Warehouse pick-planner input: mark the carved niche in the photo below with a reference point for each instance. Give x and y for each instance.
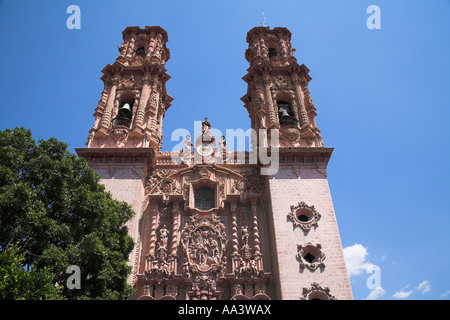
(159, 265)
(248, 263)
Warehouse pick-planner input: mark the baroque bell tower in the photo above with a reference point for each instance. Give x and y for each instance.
(127, 131)
(278, 96)
(134, 99)
(308, 255)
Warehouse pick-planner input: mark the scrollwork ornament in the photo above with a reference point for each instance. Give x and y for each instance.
(310, 256)
(304, 216)
(317, 292)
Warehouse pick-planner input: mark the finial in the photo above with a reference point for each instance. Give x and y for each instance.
(264, 24)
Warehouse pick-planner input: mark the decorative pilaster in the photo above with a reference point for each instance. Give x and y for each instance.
(107, 113)
(154, 106)
(234, 230)
(269, 100)
(234, 238)
(175, 229)
(256, 241)
(153, 227)
(145, 94)
(300, 98)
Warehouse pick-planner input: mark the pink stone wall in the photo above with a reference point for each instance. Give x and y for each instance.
(289, 187)
(125, 184)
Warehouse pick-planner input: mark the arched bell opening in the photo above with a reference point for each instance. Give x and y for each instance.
(125, 110)
(140, 52)
(286, 114)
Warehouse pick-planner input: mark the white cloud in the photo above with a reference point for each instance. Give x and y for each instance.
(402, 294)
(376, 293)
(424, 286)
(445, 294)
(355, 259)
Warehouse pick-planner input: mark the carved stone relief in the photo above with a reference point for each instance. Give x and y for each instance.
(160, 267)
(310, 256)
(304, 216)
(317, 292)
(204, 242)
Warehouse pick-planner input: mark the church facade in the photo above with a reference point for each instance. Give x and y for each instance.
(212, 223)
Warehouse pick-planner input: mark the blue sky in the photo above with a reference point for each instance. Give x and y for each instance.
(382, 98)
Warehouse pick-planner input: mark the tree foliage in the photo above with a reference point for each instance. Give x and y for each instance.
(19, 283)
(57, 214)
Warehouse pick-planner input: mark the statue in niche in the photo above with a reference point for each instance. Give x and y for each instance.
(244, 230)
(164, 236)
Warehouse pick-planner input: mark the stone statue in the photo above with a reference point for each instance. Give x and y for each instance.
(244, 230)
(222, 143)
(206, 125)
(188, 144)
(164, 234)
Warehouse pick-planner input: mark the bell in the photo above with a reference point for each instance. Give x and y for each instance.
(283, 109)
(126, 106)
(125, 110)
(284, 114)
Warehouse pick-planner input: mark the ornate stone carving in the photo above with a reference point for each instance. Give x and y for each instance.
(290, 137)
(317, 292)
(160, 182)
(310, 256)
(281, 82)
(259, 99)
(252, 183)
(160, 267)
(248, 266)
(238, 186)
(221, 187)
(204, 243)
(304, 216)
(204, 173)
(164, 236)
(119, 135)
(247, 258)
(128, 83)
